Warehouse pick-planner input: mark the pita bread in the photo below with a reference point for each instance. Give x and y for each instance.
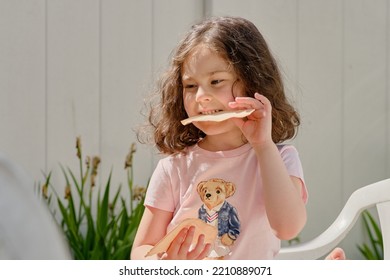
(219, 116)
(209, 231)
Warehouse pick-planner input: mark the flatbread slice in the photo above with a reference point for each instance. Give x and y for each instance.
(219, 116)
(209, 231)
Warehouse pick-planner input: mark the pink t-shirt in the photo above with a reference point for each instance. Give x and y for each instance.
(224, 189)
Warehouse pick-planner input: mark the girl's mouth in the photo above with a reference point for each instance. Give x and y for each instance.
(210, 112)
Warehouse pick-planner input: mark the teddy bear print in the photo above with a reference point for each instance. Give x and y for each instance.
(216, 211)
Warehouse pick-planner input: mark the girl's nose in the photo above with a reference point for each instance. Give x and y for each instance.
(202, 95)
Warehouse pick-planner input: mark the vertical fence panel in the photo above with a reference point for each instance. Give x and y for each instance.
(320, 80)
(364, 156)
(22, 83)
(73, 80)
(171, 19)
(126, 48)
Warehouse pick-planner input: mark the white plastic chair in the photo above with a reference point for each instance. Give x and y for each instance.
(376, 194)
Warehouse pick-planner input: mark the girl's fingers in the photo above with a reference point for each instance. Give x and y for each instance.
(205, 252)
(186, 244)
(197, 252)
(261, 98)
(177, 242)
(258, 102)
(180, 246)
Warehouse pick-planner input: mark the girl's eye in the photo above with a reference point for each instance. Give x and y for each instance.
(216, 82)
(189, 86)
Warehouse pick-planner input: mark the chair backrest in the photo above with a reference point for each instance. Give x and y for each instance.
(376, 194)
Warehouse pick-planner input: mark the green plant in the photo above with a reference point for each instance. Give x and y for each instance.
(373, 250)
(96, 229)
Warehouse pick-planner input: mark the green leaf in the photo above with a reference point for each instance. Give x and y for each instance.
(102, 214)
(375, 227)
(124, 221)
(76, 184)
(373, 250)
(69, 223)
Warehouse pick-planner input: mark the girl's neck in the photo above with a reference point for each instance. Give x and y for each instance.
(215, 143)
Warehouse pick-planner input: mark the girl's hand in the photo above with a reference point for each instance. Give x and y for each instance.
(257, 127)
(180, 247)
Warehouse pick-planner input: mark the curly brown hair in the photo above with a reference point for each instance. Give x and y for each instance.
(239, 42)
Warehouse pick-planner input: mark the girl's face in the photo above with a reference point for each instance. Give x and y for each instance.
(209, 84)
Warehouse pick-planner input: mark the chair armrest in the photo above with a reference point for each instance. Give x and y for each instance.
(360, 200)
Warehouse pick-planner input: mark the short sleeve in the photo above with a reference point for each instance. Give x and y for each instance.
(159, 193)
(293, 165)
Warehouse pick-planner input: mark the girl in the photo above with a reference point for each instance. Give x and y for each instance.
(234, 174)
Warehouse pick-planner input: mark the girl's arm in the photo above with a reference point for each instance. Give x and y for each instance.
(285, 208)
(282, 193)
(153, 228)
